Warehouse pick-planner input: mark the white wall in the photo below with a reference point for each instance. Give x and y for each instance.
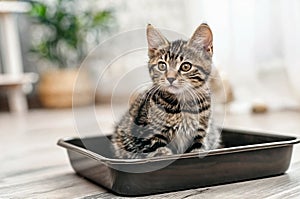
(256, 42)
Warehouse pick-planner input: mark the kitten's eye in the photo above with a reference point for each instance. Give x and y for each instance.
(162, 66)
(186, 66)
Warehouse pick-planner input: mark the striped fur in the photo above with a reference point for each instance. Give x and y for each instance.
(174, 115)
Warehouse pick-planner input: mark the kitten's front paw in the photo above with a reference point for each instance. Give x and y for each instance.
(201, 153)
(198, 150)
(162, 151)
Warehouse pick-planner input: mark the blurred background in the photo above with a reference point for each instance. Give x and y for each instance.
(43, 49)
(43, 43)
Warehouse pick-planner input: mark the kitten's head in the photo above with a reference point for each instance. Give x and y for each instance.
(179, 65)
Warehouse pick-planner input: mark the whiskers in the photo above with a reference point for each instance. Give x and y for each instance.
(151, 91)
(198, 96)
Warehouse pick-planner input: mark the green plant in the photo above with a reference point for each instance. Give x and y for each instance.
(63, 30)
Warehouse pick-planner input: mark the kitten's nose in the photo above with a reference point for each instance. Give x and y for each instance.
(171, 79)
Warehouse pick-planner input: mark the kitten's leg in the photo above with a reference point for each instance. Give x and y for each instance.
(159, 145)
(161, 151)
(210, 141)
(198, 145)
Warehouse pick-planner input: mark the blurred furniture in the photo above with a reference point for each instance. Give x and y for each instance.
(13, 79)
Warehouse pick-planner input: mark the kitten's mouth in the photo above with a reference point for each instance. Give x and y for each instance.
(173, 89)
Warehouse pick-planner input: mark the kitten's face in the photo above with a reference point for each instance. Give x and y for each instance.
(180, 65)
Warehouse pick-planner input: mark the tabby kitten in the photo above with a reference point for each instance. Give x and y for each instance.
(174, 115)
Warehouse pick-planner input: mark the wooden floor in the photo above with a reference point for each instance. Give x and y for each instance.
(33, 166)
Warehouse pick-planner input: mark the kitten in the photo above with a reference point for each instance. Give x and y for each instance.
(174, 115)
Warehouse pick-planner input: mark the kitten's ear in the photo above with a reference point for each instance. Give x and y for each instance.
(155, 38)
(202, 38)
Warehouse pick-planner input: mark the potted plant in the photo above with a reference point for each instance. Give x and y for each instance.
(62, 33)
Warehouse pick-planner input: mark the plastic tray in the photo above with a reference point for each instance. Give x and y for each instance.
(246, 155)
